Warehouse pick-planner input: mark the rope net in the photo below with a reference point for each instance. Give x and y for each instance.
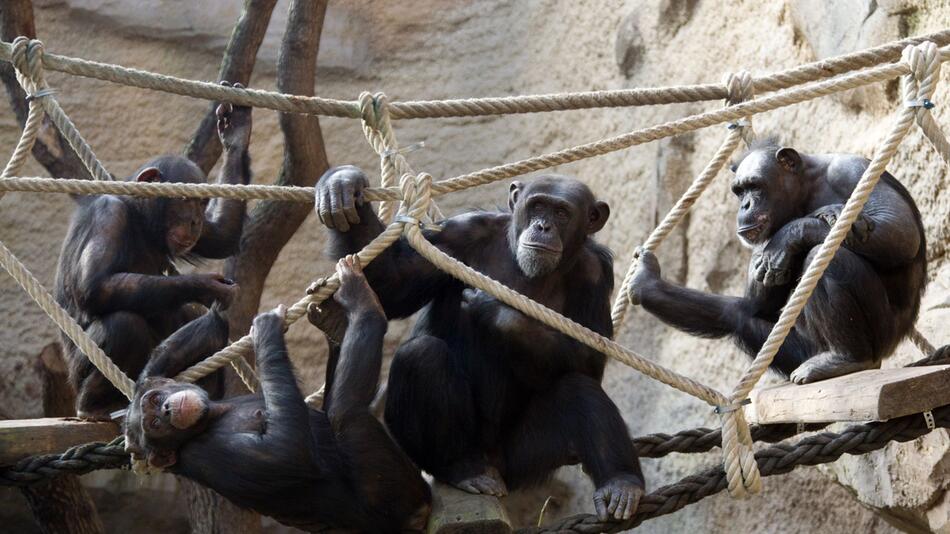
(407, 196)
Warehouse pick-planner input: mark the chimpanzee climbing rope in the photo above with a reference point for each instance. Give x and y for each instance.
(919, 67)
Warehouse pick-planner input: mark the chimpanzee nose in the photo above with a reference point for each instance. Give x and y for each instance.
(542, 226)
(746, 204)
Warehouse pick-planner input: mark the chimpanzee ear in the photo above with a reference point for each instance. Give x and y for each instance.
(599, 213)
(160, 459)
(513, 191)
(789, 159)
(149, 174)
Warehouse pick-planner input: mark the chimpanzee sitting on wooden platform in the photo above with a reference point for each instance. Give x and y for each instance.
(310, 469)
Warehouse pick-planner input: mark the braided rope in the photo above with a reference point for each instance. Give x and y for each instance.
(775, 460)
(475, 106)
(65, 322)
(76, 460)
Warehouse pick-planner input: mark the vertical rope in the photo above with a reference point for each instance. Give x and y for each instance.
(741, 89)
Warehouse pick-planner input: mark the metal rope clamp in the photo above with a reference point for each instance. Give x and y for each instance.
(925, 103)
(734, 407)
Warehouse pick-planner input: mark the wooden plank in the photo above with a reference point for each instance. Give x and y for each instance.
(20, 438)
(457, 512)
(874, 395)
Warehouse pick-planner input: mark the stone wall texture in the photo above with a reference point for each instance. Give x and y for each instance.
(430, 49)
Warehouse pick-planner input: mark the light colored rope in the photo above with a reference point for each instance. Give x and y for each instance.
(475, 106)
(25, 144)
(741, 89)
(27, 57)
(923, 62)
(65, 322)
(671, 220)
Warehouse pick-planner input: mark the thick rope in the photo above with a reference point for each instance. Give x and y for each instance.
(65, 322)
(475, 106)
(77, 460)
(775, 460)
(27, 57)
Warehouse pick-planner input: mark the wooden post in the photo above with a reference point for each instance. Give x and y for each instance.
(457, 512)
(60, 504)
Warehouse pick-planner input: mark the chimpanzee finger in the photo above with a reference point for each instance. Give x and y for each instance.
(324, 211)
(621, 505)
(349, 206)
(614, 502)
(336, 208)
(600, 507)
(632, 501)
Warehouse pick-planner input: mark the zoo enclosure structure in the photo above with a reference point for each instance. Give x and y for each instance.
(407, 206)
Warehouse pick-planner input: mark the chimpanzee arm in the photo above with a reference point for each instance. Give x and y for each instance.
(224, 218)
(692, 311)
(404, 281)
(191, 343)
(103, 286)
(287, 413)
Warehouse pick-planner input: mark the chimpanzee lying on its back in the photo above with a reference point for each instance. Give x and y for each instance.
(270, 452)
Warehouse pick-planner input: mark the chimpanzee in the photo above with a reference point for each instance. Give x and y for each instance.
(482, 396)
(269, 452)
(865, 303)
(117, 276)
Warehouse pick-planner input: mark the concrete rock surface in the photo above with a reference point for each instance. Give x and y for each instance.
(435, 49)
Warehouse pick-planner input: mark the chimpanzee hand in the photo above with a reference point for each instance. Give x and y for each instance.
(618, 498)
(490, 312)
(647, 273)
(275, 319)
(338, 194)
(860, 230)
(217, 289)
(772, 265)
(234, 124)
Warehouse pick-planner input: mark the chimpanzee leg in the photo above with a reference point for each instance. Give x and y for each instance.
(127, 339)
(391, 492)
(574, 420)
(849, 318)
(431, 412)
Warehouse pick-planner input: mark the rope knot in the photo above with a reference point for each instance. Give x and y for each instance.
(27, 57)
(924, 62)
(739, 86)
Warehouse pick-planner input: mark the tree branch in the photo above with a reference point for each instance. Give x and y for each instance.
(51, 150)
(272, 224)
(237, 65)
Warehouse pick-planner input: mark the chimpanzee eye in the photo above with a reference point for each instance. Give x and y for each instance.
(156, 423)
(561, 213)
(737, 191)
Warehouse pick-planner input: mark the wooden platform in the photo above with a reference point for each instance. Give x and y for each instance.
(875, 395)
(456, 512)
(20, 438)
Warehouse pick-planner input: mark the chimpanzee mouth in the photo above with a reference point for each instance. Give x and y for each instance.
(541, 247)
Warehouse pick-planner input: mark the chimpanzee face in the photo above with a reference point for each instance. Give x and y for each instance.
(163, 415)
(184, 220)
(767, 186)
(552, 218)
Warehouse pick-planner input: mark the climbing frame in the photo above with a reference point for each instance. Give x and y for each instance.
(407, 195)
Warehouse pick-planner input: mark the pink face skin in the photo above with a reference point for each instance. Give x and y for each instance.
(185, 220)
(164, 412)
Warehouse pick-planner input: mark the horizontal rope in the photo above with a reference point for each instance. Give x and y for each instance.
(473, 106)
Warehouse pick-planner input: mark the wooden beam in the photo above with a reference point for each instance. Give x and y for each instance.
(874, 395)
(20, 438)
(456, 512)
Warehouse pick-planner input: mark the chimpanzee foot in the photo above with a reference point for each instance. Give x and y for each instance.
(618, 498)
(828, 365)
(419, 519)
(354, 293)
(487, 483)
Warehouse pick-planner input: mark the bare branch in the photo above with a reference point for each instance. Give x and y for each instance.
(272, 224)
(51, 150)
(237, 65)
